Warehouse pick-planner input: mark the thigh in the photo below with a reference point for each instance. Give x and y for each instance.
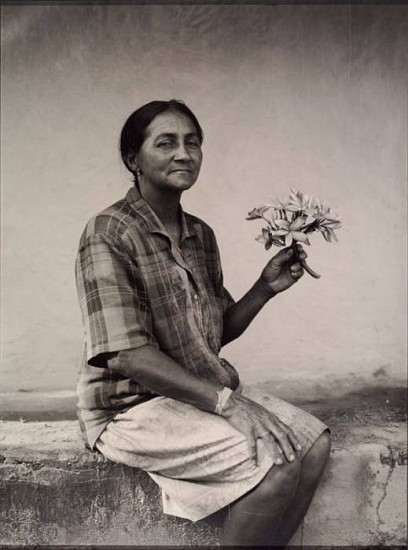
(177, 440)
(306, 427)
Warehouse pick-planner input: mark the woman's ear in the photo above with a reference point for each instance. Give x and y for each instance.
(131, 160)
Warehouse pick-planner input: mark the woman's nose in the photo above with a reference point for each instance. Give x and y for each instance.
(181, 153)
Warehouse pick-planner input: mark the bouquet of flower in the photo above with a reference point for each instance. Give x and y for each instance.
(293, 220)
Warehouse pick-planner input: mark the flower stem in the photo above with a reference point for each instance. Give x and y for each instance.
(303, 262)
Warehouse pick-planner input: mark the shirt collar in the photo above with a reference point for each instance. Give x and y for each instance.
(153, 222)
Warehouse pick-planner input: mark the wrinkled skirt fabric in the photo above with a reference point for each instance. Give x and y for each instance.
(199, 460)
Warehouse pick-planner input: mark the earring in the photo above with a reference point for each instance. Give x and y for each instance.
(138, 172)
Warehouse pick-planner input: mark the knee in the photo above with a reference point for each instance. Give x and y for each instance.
(281, 479)
(322, 446)
(288, 473)
(317, 457)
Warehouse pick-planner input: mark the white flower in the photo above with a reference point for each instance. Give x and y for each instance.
(300, 202)
(292, 231)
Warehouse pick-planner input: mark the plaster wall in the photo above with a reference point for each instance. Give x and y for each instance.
(313, 97)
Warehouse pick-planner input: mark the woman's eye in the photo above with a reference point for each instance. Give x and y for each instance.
(165, 144)
(193, 143)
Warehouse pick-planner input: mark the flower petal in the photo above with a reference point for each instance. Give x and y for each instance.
(291, 207)
(309, 212)
(278, 241)
(260, 239)
(288, 239)
(283, 224)
(299, 236)
(297, 224)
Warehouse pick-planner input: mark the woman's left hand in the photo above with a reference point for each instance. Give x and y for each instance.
(284, 269)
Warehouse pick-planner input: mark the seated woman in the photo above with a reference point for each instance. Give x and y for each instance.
(153, 391)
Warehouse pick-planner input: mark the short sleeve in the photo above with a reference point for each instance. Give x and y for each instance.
(112, 297)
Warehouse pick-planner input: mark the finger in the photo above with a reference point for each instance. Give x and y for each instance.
(251, 441)
(295, 267)
(112, 360)
(293, 439)
(272, 448)
(282, 256)
(283, 441)
(301, 253)
(296, 272)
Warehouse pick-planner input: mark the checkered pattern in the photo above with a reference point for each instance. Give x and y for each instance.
(136, 287)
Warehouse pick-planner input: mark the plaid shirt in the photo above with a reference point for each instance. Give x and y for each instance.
(136, 287)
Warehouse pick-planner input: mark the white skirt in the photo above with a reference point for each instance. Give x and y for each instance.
(199, 460)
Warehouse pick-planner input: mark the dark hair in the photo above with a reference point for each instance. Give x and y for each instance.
(133, 131)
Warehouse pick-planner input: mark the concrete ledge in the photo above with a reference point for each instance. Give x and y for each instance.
(53, 491)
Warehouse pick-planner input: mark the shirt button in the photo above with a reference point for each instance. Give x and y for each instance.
(195, 297)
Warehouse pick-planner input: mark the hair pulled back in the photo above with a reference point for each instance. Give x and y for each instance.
(133, 131)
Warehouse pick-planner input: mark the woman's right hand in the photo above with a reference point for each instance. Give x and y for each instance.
(256, 422)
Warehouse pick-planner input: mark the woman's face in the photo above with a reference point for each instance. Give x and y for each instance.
(170, 156)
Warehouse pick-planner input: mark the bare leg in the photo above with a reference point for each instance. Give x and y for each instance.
(311, 470)
(254, 518)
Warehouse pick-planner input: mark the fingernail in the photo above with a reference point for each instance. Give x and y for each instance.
(299, 447)
(279, 461)
(292, 458)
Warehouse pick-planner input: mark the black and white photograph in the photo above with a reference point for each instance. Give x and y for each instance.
(203, 274)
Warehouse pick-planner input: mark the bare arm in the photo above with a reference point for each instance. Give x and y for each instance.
(281, 272)
(159, 373)
(239, 316)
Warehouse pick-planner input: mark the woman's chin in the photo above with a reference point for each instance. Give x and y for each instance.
(181, 183)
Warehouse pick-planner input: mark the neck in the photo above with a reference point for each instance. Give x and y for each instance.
(166, 205)
(167, 213)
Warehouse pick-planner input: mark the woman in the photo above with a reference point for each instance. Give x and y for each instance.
(153, 391)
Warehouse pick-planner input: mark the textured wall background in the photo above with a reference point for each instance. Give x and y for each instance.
(313, 97)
